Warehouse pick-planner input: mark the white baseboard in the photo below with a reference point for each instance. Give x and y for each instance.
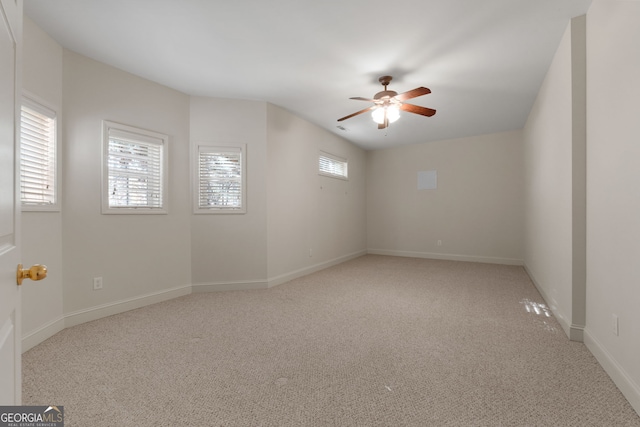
(94, 313)
(447, 257)
(273, 281)
(278, 280)
(229, 286)
(109, 309)
(42, 333)
(576, 333)
(78, 317)
(622, 380)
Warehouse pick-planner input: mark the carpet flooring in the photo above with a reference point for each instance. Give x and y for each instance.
(376, 341)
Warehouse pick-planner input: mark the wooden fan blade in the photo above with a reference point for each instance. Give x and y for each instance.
(359, 98)
(417, 109)
(419, 91)
(359, 112)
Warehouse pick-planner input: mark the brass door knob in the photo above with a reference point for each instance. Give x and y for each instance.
(36, 272)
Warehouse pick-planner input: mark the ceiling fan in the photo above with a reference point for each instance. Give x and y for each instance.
(387, 104)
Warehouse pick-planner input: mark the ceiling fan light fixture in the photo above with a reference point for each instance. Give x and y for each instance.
(378, 115)
(392, 113)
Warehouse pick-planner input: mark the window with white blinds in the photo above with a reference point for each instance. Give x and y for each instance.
(134, 170)
(333, 166)
(38, 183)
(220, 181)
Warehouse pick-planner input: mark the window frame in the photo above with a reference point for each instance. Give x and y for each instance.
(38, 105)
(222, 148)
(335, 159)
(141, 136)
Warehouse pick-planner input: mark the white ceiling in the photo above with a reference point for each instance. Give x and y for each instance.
(484, 60)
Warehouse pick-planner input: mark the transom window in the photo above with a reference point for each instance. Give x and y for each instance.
(333, 166)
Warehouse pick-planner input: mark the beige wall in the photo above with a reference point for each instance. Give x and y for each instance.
(141, 258)
(613, 201)
(581, 178)
(554, 150)
(476, 210)
(137, 255)
(313, 221)
(230, 250)
(42, 311)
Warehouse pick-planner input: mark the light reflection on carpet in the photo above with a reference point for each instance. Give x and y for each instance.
(540, 309)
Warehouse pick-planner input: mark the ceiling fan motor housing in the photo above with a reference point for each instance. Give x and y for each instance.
(385, 94)
(385, 80)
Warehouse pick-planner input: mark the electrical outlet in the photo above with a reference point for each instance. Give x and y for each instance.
(439, 242)
(97, 283)
(310, 252)
(615, 325)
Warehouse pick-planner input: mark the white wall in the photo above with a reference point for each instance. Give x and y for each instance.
(142, 258)
(554, 149)
(313, 221)
(229, 251)
(476, 210)
(613, 198)
(42, 310)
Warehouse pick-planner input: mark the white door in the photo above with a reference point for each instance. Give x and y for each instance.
(10, 348)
